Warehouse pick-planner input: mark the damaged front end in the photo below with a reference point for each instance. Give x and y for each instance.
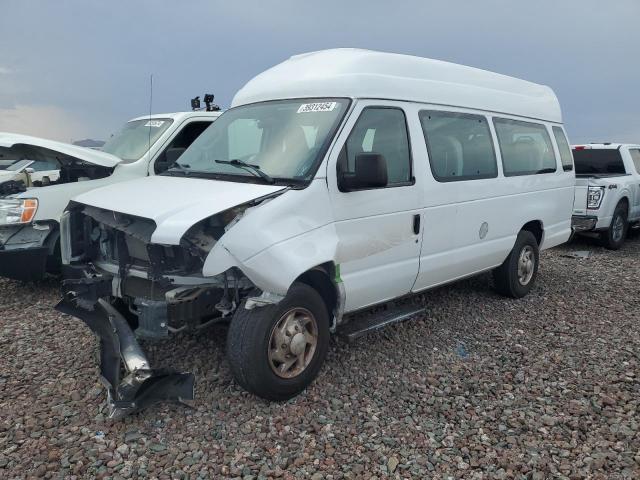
(125, 288)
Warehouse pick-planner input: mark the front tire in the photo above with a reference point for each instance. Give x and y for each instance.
(517, 274)
(615, 235)
(276, 351)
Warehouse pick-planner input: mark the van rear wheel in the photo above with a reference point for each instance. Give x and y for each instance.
(276, 351)
(517, 274)
(615, 235)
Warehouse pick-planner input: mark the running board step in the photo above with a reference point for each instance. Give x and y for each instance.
(375, 321)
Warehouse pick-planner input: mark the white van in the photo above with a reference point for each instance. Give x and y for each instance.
(340, 181)
(29, 233)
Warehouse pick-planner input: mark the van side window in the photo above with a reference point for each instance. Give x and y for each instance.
(380, 130)
(563, 147)
(460, 146)
(635, 156)
(525, 147)
(181, 141)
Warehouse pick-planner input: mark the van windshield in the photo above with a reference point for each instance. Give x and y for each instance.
(275, 140)
(134, 139)
(598, 161)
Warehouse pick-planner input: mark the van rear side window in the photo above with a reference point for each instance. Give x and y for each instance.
(459, 145)
(525, 147)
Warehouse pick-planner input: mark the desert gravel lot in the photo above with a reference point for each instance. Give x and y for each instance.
(481, 387)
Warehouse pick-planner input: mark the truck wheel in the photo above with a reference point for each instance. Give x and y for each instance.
(614, 236)
(276, 351)
(517, 274)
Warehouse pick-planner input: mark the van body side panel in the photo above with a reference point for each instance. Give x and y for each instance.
(471, 225)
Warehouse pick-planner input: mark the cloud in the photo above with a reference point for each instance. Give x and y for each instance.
(45, 121)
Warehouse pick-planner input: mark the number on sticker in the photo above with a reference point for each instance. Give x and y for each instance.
(317, 107)
(154, 123)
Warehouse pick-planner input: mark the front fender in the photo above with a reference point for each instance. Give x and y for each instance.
(276, 268)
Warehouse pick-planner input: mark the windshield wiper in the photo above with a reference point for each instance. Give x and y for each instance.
(248, 166)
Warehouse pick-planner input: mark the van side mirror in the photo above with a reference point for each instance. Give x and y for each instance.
(370, 171)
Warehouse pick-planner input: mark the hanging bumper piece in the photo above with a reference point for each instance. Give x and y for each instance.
(141, 385)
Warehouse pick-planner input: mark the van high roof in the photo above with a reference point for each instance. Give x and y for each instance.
(356, 73)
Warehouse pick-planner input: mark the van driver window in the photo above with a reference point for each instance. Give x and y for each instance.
(460, 146)
(525, 147)
(384, 131)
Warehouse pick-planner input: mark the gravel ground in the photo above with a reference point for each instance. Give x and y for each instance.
(480, 387)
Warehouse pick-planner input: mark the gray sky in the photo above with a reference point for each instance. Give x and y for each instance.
(77, 69)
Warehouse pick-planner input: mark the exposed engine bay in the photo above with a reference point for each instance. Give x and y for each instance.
(124, 287)
(112, 255)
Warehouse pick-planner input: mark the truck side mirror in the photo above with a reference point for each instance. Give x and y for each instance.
(171, 156)
(29, 170)
(370, 171)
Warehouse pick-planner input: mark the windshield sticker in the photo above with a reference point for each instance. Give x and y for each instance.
(317, 107)
(154, 123)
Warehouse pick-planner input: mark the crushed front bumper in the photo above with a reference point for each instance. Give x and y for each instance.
(26, 264)
(141, 385)
(583, 223)
(25, 251)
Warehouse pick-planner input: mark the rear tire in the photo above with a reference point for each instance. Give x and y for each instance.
(262, 343)
(613, 238)
(517, 274)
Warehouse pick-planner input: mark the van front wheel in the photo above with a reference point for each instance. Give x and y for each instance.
(276, 351)
(517, 274)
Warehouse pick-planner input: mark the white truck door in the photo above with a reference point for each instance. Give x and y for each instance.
(378, 229)
(635, 157)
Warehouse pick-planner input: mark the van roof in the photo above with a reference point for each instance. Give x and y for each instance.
(356, 73)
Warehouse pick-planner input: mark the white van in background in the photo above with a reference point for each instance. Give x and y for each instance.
(29, 233)
(341, 181)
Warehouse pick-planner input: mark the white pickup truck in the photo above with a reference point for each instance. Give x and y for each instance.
(29, 220)
(607, 194)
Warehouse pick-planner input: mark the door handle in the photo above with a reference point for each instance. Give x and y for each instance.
(416, 223)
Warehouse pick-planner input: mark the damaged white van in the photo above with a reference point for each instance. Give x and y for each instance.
(35, 191)
(340, 182)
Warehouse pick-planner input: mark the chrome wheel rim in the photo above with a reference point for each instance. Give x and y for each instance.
(617, 228)
(293, 342)
(526, 264)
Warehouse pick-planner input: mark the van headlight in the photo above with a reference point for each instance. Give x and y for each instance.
(17, 211)
(594, 197)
